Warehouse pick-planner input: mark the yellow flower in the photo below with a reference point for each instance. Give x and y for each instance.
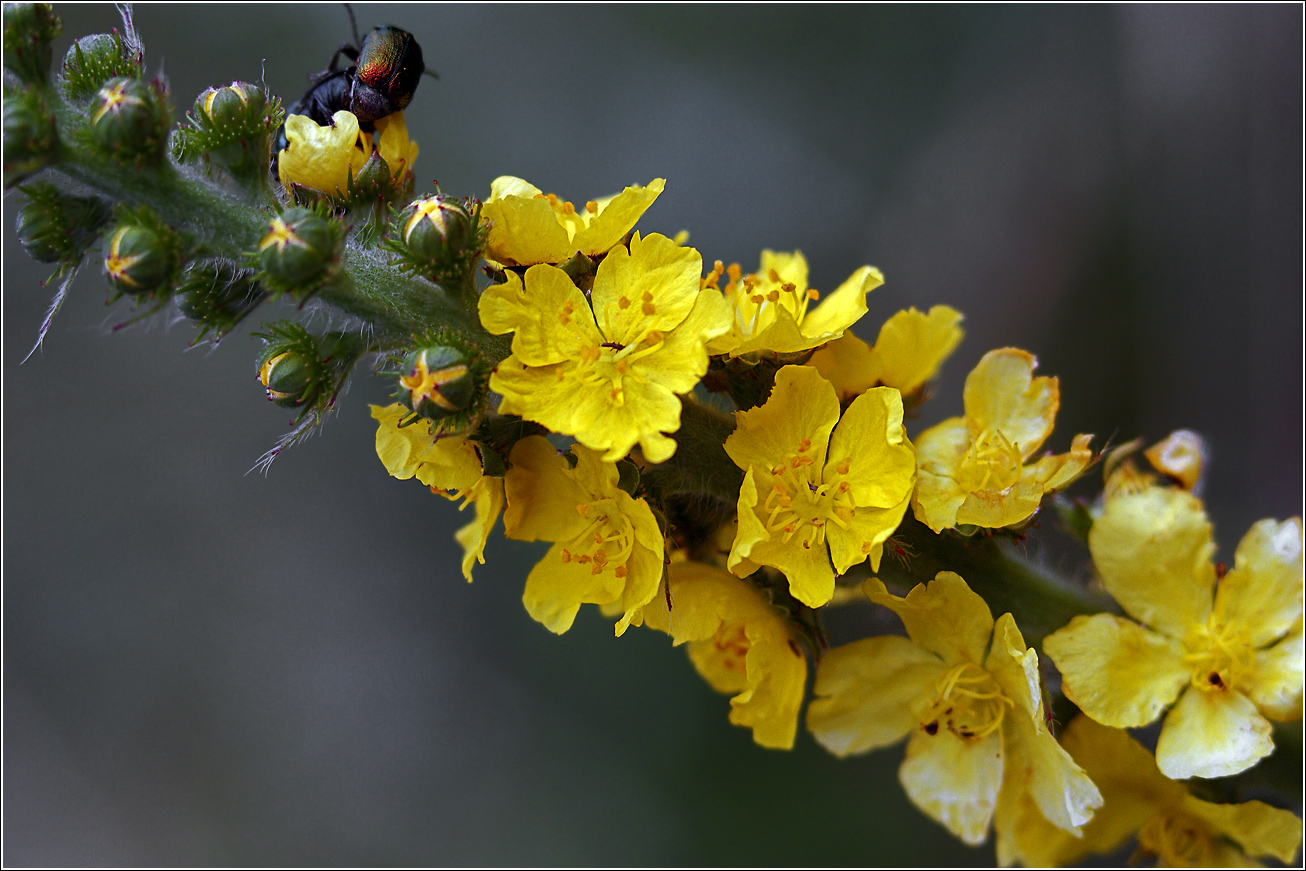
(449, 465)
(813, 504)
(770, 307)
(528, 226)
(739, 643)
(911, 348)
(608, 548)
(607, 375)
(967, 691)
(325, 158)
(1170, 823)
(971, 470)
(1230, 649)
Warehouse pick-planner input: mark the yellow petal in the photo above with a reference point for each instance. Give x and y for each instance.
(616, 217)
(867, 693)
(944, 617)
(652, 286)
(445, 463)
(321, 158)
(1262, 594)
(954, 781)
(549, 317)
(1057, 471)
(1119, 673)
(523, 228)
(1002, 394)
(842, 307)
(938, 496)
(870, 438)
(489, 502)
(1212, 734)
(994, 509)
(802, 406)
(848, 364)
(542, 497)
(1153, 549)
(1259, 829)
(398, 151)
(723, 617)
(1275, 684)
(912, 346)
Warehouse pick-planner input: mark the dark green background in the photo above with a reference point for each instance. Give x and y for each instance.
(208, 667)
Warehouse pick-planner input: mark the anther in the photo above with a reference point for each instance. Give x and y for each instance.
(592, 207)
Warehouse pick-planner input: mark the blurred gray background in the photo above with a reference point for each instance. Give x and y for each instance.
(208, 667)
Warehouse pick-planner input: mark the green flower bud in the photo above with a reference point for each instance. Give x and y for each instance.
(232, 125)
(217, 296)
(299, 369)
(438, 237)
(129, 121)
(140, 260)
(28, 30)
(290, 377)
(444, 381)
(55, 227)
(94, 60)
(299, 251)
(30, 138)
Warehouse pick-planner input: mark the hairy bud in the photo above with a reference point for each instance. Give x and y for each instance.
(94, 60)
(54, 227)
(28, 30)
(129, 121)
(30, 138)
(438, 237)
(217, 296)
(298, 369)
(299, 251)
(444, 381)
(142, 256)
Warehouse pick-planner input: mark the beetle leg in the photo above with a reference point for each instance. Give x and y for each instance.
(346, 50)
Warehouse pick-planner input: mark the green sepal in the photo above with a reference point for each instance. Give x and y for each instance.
(28, 31)
(93, 60)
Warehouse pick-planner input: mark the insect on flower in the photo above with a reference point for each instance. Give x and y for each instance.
(387, 65)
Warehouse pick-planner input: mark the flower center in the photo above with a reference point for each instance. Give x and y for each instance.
(804, 500)
(991, 463)
(1177, 840)
(611, 363)
(606, 543)
(757, 299)
(1220, 656)
(967, 702)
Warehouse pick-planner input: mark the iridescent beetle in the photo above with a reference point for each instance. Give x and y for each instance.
(387, 65)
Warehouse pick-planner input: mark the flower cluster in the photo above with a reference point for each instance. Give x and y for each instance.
(708, 453)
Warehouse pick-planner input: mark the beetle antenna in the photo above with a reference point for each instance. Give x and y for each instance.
(432, 73)
(353, 25)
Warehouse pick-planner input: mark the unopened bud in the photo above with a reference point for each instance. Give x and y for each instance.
(129, 120)
(438, 237)
(55, 227)
(140, 260)
(30, 138)
(94, 60)
(298, 250)
(439, 382)
(217, 296)
(298, 369)
(28, 30)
